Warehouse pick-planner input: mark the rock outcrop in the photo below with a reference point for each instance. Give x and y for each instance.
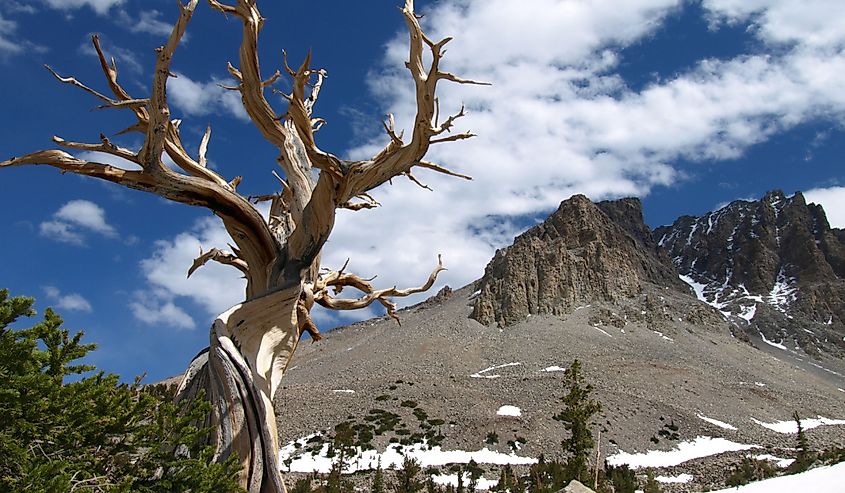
(775, 266)
(584, 252)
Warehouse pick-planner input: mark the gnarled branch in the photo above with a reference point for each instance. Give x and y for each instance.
(221, 256)
(339, 279)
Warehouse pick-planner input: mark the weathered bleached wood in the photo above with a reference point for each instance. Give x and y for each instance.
(251, 344)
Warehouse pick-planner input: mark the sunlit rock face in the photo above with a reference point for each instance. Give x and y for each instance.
(584, 252)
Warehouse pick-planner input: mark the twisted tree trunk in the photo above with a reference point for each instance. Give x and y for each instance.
(252, 343)
(242, 399)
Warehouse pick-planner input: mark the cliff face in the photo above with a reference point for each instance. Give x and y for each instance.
(583, 252)
(775, 264)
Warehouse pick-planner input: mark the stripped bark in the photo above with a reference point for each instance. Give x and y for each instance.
(252, 343)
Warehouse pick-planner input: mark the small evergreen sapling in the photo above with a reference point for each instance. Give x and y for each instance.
(806, 457)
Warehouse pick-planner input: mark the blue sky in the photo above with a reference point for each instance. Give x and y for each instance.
(686, 104)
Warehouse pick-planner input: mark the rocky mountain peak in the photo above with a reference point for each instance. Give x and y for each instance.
(583, 252)
(774, 264)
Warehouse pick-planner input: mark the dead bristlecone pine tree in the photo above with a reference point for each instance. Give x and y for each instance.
(251, 344)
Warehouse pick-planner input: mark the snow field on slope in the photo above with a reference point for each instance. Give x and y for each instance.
(701, 446)
(827, 479)
(364, 460)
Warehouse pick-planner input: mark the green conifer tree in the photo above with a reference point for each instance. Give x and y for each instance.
(806, 456)
(378, 479)
(651, 484)
(92, 433)
(407, 478)
(579, 409)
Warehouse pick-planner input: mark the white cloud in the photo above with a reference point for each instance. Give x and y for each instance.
(73, 219)
(560, 120)
(124, 57)
(8, 28)
(59, 231)
(67, 301)
(85, 214)
(833, 201)
(11, 43)
(819, 23)
(157, 309)
(204, 98)
(99, 6)
(149, 22)
(18, 8)
(215, 287)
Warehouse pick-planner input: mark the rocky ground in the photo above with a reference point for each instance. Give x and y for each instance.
(659, 361)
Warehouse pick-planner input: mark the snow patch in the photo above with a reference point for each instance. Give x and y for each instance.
(344, 391)
(780, 462)
(557, 368)
(509, 411)
(696, 286)
(602, 331)
(452, 479)
(720, 424)
(770, 343)
(702, 446)
(660, 334)
(784, 292)
(790, 427)
(481, 374)
(681, 478)
(747, 312)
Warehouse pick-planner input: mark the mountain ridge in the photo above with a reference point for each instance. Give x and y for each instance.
(774, 266)
(671, 371)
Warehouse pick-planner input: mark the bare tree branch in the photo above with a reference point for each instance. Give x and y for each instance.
(74, 82)
(339, 280)
(441, 169)
(217, 255)
(105, 146)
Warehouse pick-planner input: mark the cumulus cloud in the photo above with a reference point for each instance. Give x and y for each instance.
(817, 23)
(157, 308)
(559, 119)
(99, 6)
(204, 98)
(67, 301)
(833, 201)
(85, 214)
(214, 287)
(73, 219)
